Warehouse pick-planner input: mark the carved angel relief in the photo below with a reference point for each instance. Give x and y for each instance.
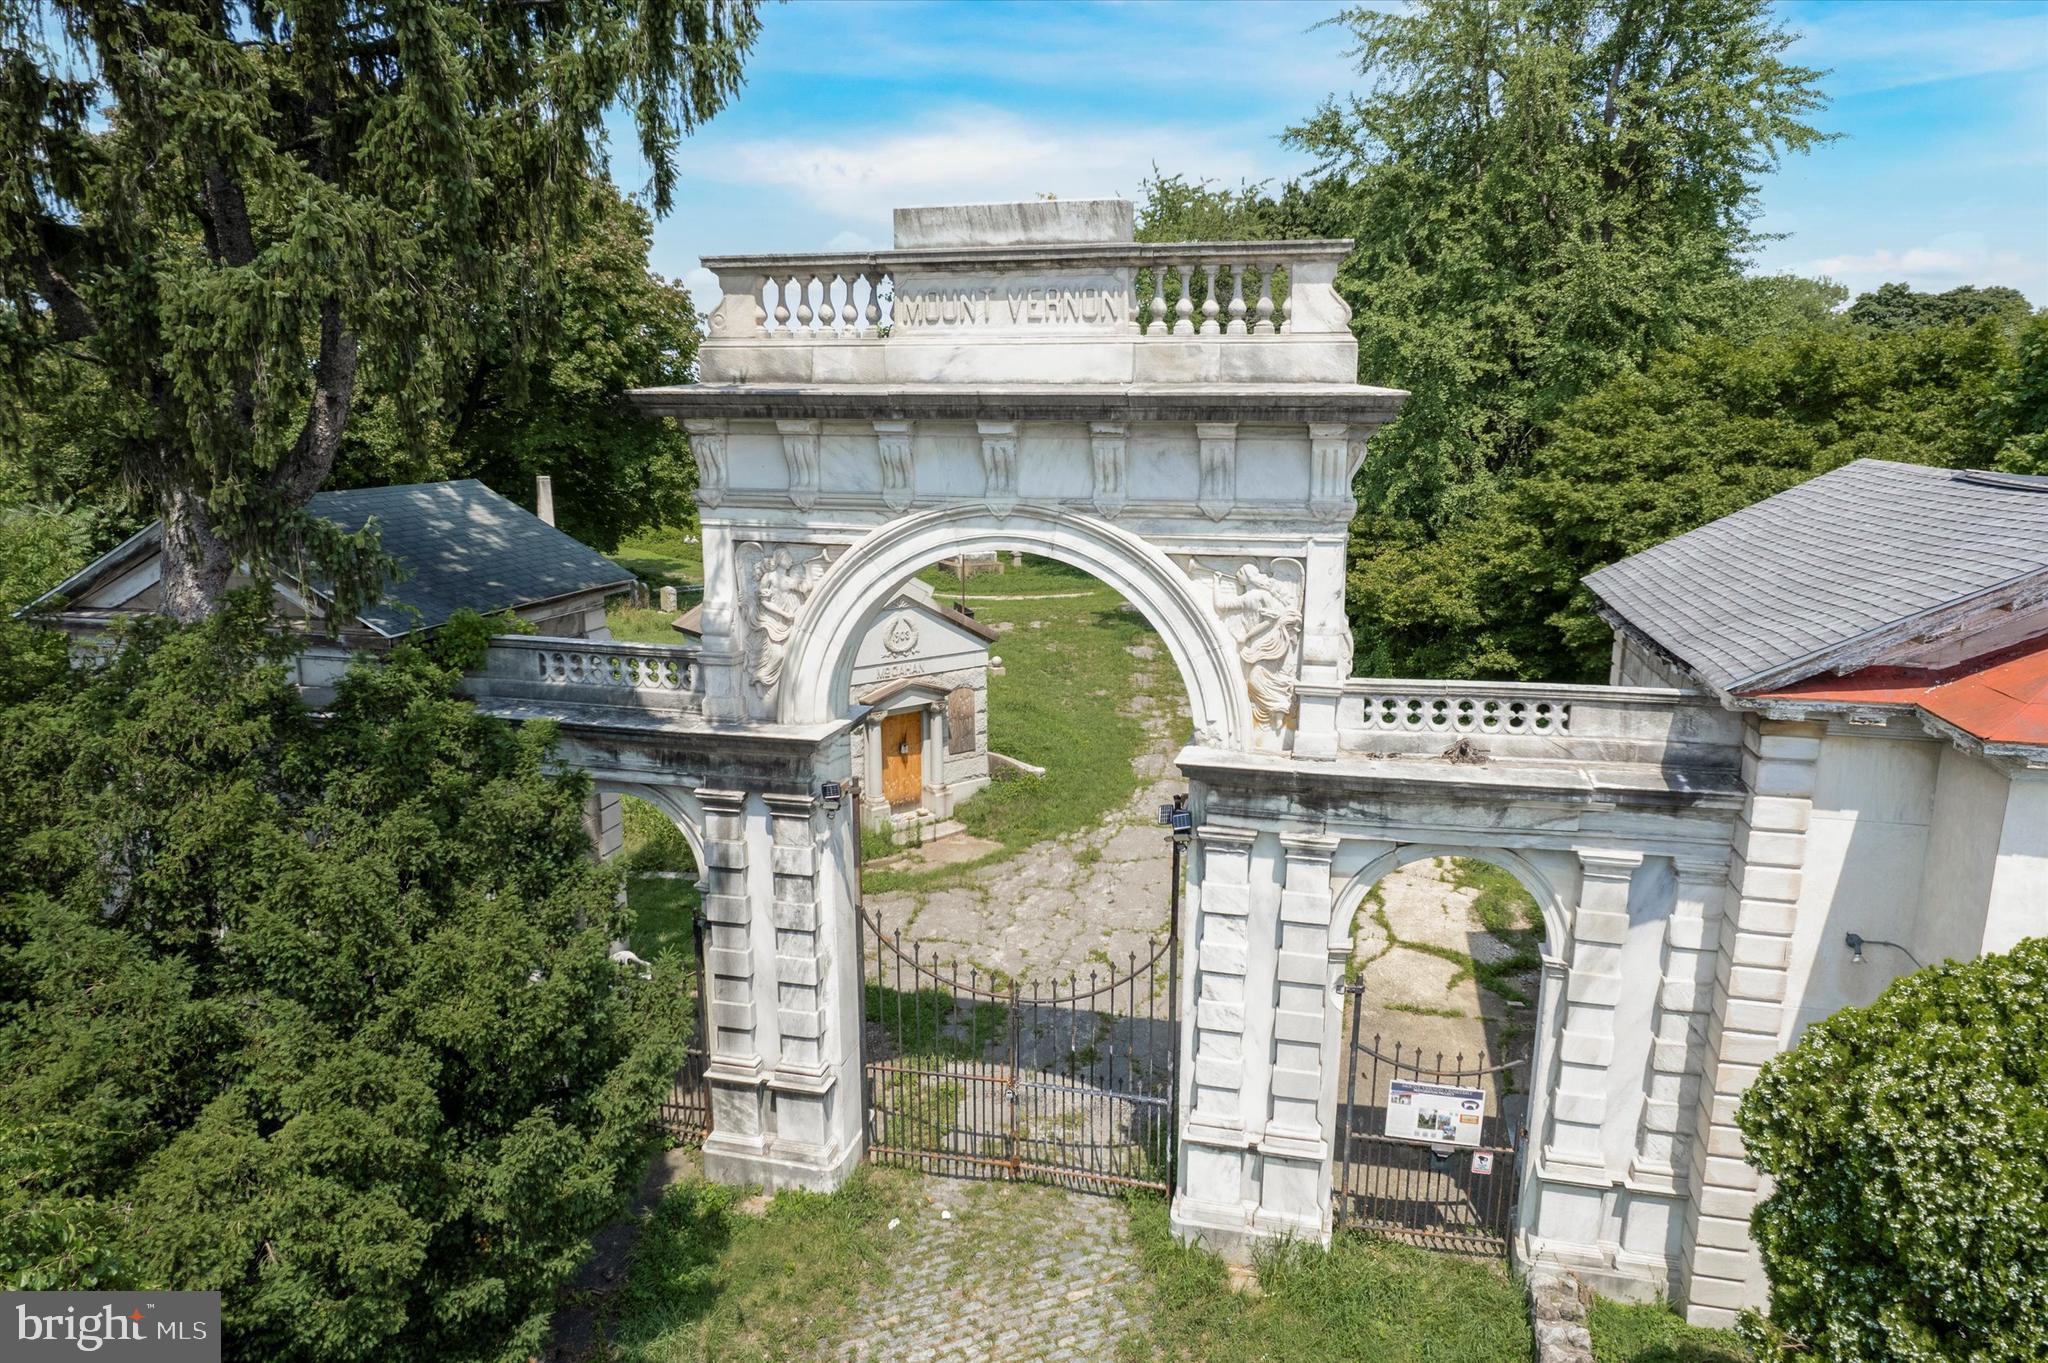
(1262, 608)
(778, 580)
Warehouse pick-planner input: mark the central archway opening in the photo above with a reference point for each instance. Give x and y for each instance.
(1020, 721)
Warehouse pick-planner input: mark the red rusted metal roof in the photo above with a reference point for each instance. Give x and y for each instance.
(2000, 698)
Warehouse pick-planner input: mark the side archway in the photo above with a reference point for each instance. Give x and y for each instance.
(680, 807)
(1344, 905)
(818, 673)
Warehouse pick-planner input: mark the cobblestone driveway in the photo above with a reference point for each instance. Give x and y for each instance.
(1002, 1273)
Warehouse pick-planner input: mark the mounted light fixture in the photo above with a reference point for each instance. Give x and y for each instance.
(1858, 941)
(832, 793)
(1177, 817)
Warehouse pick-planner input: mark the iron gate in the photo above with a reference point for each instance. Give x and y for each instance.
(969, 1074)
(686, 1112)
(1440, 1195)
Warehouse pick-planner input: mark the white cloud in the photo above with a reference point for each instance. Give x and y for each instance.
(974, 156)
(1887, 47)
(1944, 263)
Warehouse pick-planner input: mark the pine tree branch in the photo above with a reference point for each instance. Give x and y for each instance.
(301, 474)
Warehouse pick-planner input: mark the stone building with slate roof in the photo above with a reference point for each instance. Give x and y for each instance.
(459, 546)
(1883, 631)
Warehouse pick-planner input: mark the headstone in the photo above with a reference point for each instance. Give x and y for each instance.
(668, 598)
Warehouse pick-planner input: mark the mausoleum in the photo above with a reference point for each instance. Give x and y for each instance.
(921, 678)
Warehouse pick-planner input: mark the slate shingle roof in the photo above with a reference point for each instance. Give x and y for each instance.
(464, 547)
(459, 546)
(1771, 592)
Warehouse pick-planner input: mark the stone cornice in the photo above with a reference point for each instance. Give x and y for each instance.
(1275, 403)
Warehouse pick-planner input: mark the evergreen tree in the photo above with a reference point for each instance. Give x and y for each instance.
(319, 1015)
(241, 212)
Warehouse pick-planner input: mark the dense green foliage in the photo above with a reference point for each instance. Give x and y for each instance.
(547, 399)
(244, 217)
(1553, 202)
(319, 1015)
(1908, 1144)
(1544, 193)
(1695, 434)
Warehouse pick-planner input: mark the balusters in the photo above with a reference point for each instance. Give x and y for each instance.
(1236, 327)
(1209, 305)
(1184, 310)
(782, 305)
(849, 315)
(874, 308)
(1287, 303)
(804, 314)
(1158, 308)
(1263, 312)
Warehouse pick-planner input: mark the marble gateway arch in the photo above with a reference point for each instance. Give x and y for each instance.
(1014, 377)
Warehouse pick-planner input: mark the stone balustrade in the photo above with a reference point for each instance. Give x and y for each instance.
(1392, 717)
(1147, 289)
(656, 678)
(999, 304)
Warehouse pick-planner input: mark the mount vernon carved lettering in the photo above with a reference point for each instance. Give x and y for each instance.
(1016, 306)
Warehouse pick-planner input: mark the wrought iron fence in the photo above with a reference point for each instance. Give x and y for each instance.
(1446, 1186)
(686, 1112)
(971, 1074)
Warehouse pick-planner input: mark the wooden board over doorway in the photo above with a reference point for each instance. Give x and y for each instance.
(903, 759)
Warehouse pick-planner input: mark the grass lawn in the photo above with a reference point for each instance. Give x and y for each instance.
(1059, 704)
(635, 626)
(1360, 1299)
(660, 558)
(661, 911)
(663, 558)
(708, 1282)
(1653, 1334)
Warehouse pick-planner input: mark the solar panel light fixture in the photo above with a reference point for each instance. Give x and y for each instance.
(1176, 817)
(832, 792)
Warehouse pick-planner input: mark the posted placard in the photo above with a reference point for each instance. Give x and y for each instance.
(1437, 1114)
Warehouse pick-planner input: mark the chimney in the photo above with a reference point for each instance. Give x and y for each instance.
(544, 498)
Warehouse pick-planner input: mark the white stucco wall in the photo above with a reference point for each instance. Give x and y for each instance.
(1873, 798)
(1962, 854)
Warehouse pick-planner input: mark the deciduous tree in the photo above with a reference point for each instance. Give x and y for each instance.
(1544, 193)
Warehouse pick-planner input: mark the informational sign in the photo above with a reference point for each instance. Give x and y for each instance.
(1438, 1114)
(1482, 1161)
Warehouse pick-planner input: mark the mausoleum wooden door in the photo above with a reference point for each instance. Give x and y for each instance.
(903, 758)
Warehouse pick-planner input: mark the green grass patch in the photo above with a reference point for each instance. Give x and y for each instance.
(663, 558)
(1654, 1334)
(632, 625)
(1503, 907)
(1360, 1299)
(659, 917)
(1037, 575)
(652, 842)
(708, 1283)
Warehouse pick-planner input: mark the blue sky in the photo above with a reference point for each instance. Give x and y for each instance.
(852, 107)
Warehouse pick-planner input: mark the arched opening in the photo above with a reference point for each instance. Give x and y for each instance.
(1443, 956)
(820, 658)
(1033, 937)
(659, 850)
